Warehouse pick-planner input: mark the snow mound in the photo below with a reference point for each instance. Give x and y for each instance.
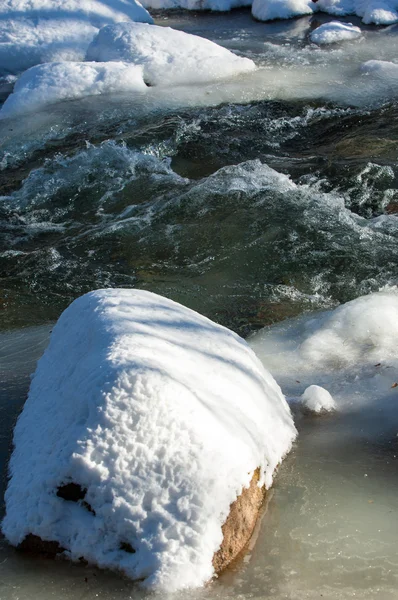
(317, 400)
(379, 12)
(160, 416)
(352, 350)
(330, 33)
(168, 56)
(268, 10)
(53, 82)
(36, 31)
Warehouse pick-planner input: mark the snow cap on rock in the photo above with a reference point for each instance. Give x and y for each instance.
(158, 417)
(168, 57)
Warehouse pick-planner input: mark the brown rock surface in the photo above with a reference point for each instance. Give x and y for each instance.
(240, 523)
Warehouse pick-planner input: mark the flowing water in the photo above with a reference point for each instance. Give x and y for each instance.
(251, 201)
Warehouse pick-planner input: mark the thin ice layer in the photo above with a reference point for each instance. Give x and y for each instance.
(162, 416)
(53, 82)
(36, 31)
(168, 57)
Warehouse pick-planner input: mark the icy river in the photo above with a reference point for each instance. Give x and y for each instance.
(271, 196)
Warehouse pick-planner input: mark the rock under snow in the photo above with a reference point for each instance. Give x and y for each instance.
(330, 33)
(144, 422)
(169, 57)
(317, 400)
(53, 82)
(36, 31)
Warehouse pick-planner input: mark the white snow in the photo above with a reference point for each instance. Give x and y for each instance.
(162, 416)
(169, 57)
(53, 82)
(379, 12)
(351, 351)
(36, 31)
(268, 10)
(330, 33)
(318, 400)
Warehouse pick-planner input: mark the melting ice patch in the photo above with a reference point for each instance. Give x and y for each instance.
(159, 417)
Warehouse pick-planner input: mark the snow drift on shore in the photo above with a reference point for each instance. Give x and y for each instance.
(351, 351)
(162, 416)
(53, 82)
(36, 31)
(330, 33)
(169, 57)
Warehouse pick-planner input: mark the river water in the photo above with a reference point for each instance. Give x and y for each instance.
(251, 201)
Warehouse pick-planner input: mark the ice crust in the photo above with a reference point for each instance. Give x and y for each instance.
(162, 416)
(169, 57)
(351, 351)
(36, 31)
(330, 33)
(53, 82)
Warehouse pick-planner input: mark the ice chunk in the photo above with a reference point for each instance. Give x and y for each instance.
(53, 82)
(330, 33)
(318, 400)
(158, 417)
(36, 31)
(169, 57)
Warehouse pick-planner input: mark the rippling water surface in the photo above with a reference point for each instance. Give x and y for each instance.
(250, 201)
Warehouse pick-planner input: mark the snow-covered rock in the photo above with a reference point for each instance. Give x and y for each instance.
(380, 12)
(317, 400)
(53, 82)
(36, 31)
(330, 33)
(159, 417)
(268, 10)
(382, 73)
(351, 351)
(169, 57)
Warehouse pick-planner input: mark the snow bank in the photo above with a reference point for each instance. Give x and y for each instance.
(380, 12)
(330, 33)
(352, 350)
(318, 400)
(49, 83)
(36, 31)
(168, 57)
(162, 416)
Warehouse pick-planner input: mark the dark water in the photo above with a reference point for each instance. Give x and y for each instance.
(249, 201)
